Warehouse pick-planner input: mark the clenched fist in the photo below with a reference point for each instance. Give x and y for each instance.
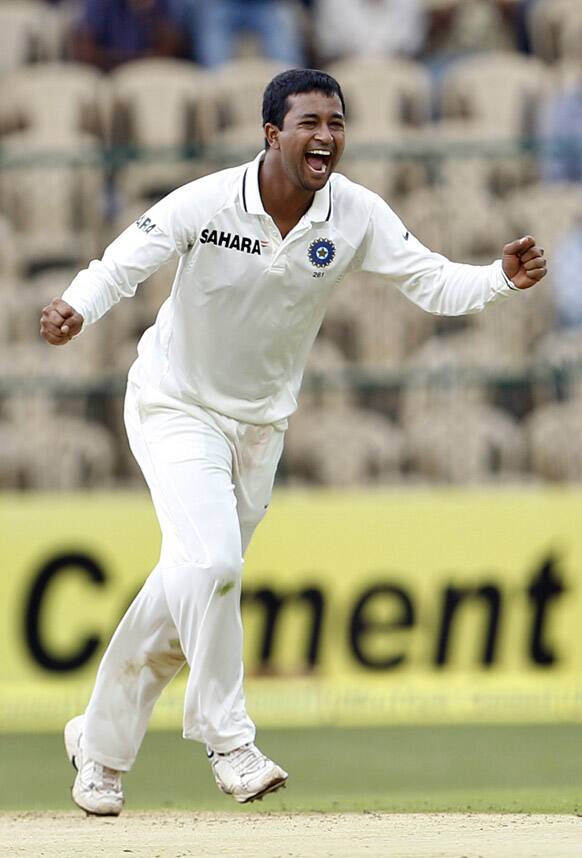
(524, 262)
(59, 322)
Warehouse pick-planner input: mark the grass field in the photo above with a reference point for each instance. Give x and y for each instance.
(507, 769)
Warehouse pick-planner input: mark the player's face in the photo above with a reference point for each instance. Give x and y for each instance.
(312, 139)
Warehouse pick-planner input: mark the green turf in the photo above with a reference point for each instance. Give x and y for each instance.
(503, 768)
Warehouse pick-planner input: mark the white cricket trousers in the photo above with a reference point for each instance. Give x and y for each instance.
(210, 479)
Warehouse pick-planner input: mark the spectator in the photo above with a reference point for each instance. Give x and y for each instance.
(560, 130)
(347, 28)
(114, 31)
(567, 278)
(275, 23)
(523, 11)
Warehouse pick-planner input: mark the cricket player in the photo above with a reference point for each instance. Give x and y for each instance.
(262, 247)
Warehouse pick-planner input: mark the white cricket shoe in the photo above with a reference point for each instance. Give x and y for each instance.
(246, 774)
(96, 788)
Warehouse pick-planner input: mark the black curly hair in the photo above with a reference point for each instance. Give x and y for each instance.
(291, 82)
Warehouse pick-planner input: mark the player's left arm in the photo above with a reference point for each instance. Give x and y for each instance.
(434, 282)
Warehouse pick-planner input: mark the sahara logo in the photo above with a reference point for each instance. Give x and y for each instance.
(231, 240)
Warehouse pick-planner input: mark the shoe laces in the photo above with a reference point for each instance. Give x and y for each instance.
(101, 777)
(246, 760)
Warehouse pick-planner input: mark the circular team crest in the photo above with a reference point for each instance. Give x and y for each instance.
(321, 252)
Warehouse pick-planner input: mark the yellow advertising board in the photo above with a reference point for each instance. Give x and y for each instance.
(359, 608)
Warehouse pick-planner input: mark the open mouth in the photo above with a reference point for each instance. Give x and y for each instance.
(318, 161)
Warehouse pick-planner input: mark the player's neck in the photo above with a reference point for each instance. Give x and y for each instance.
(284, 201)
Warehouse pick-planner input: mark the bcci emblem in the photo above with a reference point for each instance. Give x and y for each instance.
(321, 252)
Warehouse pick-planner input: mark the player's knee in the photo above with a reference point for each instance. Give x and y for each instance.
(225, 567)
(221, 573)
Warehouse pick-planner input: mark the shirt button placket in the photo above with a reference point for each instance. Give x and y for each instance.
(277, 264)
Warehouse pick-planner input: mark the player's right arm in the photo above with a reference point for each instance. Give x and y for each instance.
(161, 234)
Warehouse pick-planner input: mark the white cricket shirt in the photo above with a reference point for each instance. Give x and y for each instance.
(246, 304)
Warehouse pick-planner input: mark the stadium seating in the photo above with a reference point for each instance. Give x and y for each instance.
(238, 84)
(10, 259)
(27, 33)
(553, 25)
(391, 393)
(384, 94)
(57, 101)
(343, 446)
(462, 220)
(388, 105)
(497, 92)
(50, 190)
(10, 456)
(446, 371)
(513, 327)
(67, 453)
(459, 444)
(161, 108)
(557, 361)
(545, 209)
(555, 442)
(454, 432)
(373, 324)
(570, 43)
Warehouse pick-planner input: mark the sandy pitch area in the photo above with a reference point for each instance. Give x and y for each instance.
(373, 835)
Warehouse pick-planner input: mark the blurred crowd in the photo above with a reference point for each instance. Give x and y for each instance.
(293, 32)
(466, 115)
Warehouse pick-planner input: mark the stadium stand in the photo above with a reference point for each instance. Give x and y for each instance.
(235, 85)
(559, 354)
(553, 433)
(457, 444)
(514, 331)
(28, 33)
(10, 259)
(384, 94)
(68, 452)
(553, 25)
(548, 209)
(55, 208)
(391, 393)
(342, 445)
(239, 83)
(56, 100)
(497, 95)
(163, 108)
(373, 326)
(357, 28)
(388, 105)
